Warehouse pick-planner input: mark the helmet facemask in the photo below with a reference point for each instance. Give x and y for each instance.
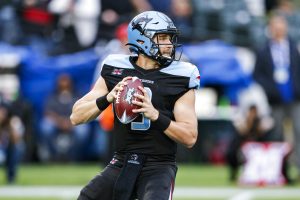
(156, 49)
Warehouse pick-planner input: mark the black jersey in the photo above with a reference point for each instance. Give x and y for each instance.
(165, 86)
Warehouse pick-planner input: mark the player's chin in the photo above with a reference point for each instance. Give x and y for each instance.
(166, 55)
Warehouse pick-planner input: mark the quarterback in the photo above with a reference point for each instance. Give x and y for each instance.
(144, 163)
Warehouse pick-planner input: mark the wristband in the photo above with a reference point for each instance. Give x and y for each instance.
(102, 103)
(162, 122)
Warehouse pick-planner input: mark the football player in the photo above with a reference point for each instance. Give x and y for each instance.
(144, 163)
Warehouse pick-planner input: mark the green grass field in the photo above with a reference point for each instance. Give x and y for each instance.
(54, 174)
(201, 176)
(188, 175)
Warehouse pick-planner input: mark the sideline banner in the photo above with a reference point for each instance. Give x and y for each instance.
(263, 166)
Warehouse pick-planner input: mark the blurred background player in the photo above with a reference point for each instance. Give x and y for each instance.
(11, 141)
(277, 70)
(249, 127)
(59, 139)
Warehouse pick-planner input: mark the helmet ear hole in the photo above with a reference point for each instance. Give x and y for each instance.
(140, 41)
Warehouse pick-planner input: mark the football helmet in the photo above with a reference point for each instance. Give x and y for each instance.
(143, 28)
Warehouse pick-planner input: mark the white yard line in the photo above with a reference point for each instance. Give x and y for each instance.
(245, 195)
(229, 193)
(39, 191)
(204, 192)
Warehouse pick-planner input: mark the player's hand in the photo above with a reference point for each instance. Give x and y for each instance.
(146, 105)
(118, 88)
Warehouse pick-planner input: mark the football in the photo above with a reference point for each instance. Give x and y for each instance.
(123, 103)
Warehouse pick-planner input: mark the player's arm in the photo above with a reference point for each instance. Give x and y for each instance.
(185, 127)
(89, 107)
(85, 109)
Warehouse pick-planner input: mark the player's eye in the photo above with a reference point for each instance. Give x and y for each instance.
(162, 37)
(165, 38)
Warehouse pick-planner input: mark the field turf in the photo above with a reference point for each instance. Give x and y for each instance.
(202, 176)
(72, 174)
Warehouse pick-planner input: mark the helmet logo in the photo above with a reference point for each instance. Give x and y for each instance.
(141, 22)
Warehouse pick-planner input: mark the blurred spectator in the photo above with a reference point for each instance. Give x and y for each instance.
(161, 6)
(77, 26)
(59, 140)
(285, 8)
(290, 12)
(37, 21)
(24, 110)
(11, 141)
(10, 30)
(249, 127)
(277, 70)
(117, 12)
(256, 7)
(117, 45)
(182, 13)
(82, 22)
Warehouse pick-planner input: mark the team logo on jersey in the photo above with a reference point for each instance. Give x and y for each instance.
(113, 161)
(117, 72)
(133, 159)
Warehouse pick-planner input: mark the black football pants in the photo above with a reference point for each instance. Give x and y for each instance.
(155, 182)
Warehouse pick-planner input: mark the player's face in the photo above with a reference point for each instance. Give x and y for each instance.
(165, 44)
